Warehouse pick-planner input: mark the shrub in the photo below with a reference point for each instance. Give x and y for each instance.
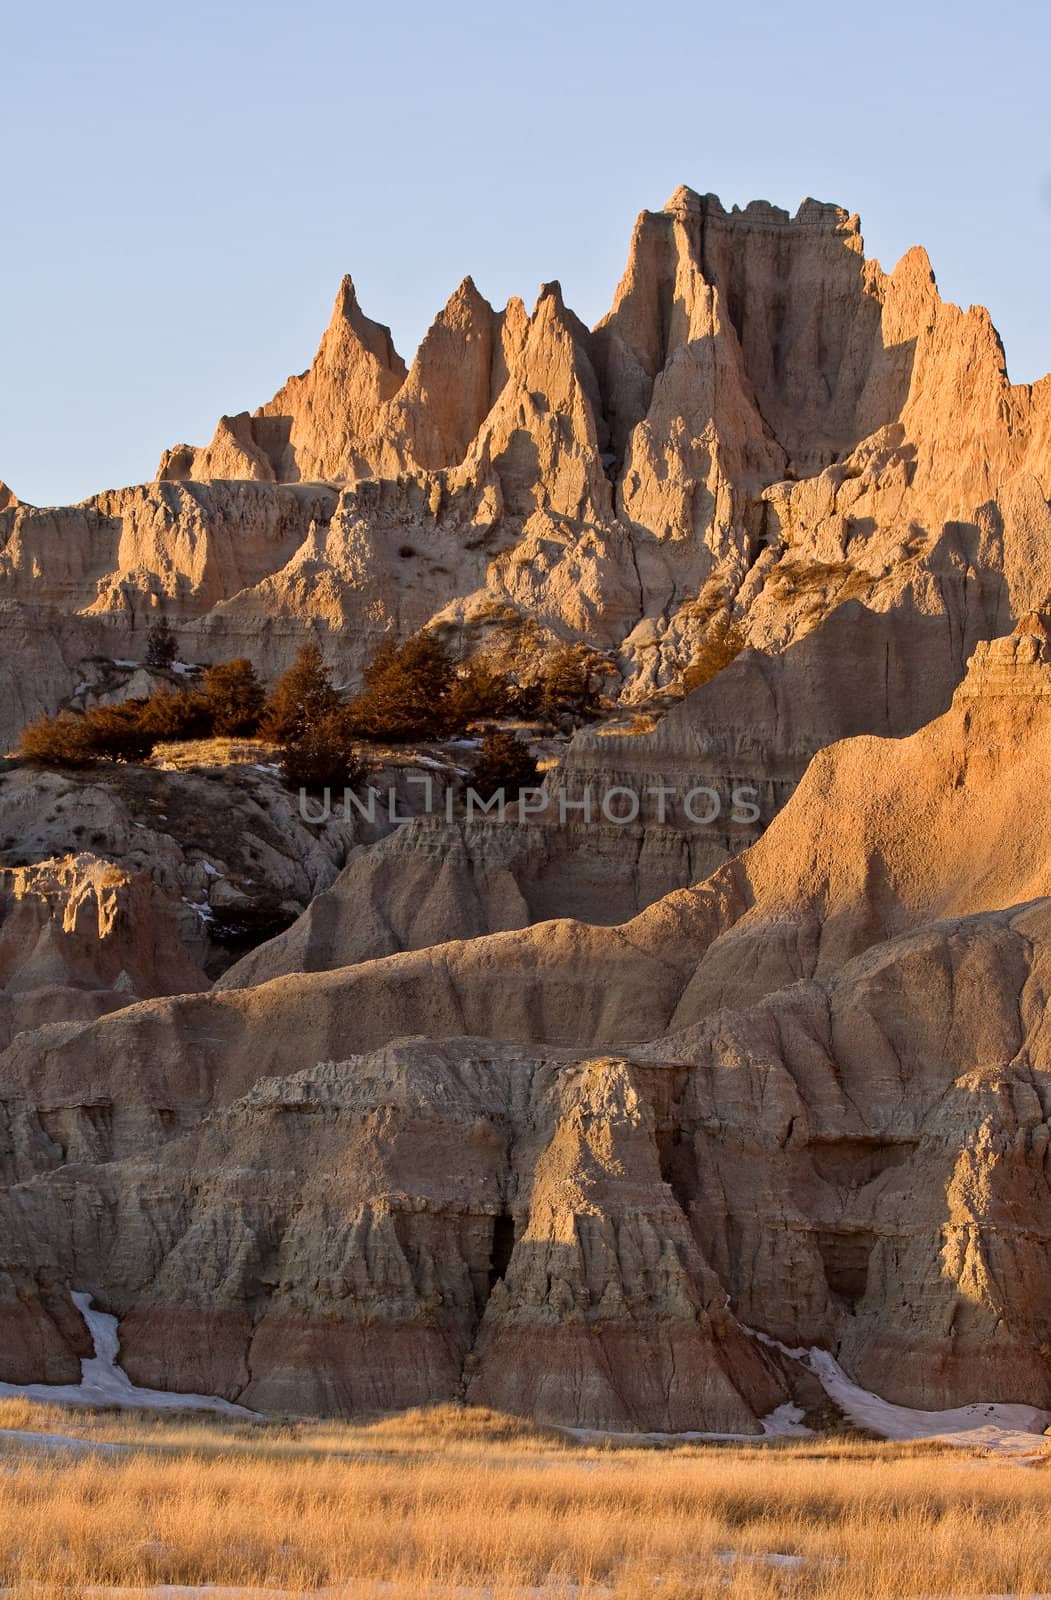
(56, 742)
(479, 692)
(183, 714)
(407, 692)
(106, 733)
(115, 733)
(504, 763)
(722, 644)
(526, 699)
(234, 696)
(300, 699)
(161, 646)
(568, 687)
(323, 756)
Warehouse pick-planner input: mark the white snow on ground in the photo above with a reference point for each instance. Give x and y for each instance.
(762, 1558)
(102, 1383)
(784, 1423)
(1013, 1430)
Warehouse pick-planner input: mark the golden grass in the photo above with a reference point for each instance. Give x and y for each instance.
(183, 755)
(453, 1502)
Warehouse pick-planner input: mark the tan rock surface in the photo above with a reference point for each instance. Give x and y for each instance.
(79, 936)
(716, 447)
(217, 848)
(427, 1145)
(584, 1225)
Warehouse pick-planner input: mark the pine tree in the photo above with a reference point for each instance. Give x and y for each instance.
(300, 698)
(324, 757)
(569, 688)
(234, 696)
(407, 692)
(161, 646)
(504, 763)
(479, 692)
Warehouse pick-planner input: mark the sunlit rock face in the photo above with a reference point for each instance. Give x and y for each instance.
(555, 1116)
(566, 1169)
(765, 427)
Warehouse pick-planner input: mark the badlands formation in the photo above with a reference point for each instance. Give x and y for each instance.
(582, 1121)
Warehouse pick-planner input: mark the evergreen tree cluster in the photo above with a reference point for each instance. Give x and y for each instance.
(229, 702)
(411, 691)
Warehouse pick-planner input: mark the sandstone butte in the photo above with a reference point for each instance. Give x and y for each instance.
(557, 1118)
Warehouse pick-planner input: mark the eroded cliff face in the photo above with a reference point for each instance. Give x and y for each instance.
(809, 1097)
(554, 1116)
(764, 428)
(79, 937)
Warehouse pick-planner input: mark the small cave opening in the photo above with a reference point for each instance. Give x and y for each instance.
(501, 1248)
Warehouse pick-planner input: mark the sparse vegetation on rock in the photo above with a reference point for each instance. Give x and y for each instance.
(300, 698)
(234, 696)
(506, 764)
(721, 645)
(161, 646)
(407, 693)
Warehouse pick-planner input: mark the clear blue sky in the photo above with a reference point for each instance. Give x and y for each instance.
(183, 186)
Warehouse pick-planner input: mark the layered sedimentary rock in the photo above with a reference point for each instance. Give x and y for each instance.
(809, 1097)
(427, 1144)
(206, 862)
(765, 426)
(79, 936)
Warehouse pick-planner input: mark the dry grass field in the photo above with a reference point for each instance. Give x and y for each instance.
(467, 1504)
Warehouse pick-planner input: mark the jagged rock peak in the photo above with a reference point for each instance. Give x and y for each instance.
(8, 499)
(820, 214)
(748, 345)
(467, 294)
(376, 337)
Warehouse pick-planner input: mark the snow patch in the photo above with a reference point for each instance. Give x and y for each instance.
(103, 1383)
(784, 1423)
(762, 1558)
(1010, 1429)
